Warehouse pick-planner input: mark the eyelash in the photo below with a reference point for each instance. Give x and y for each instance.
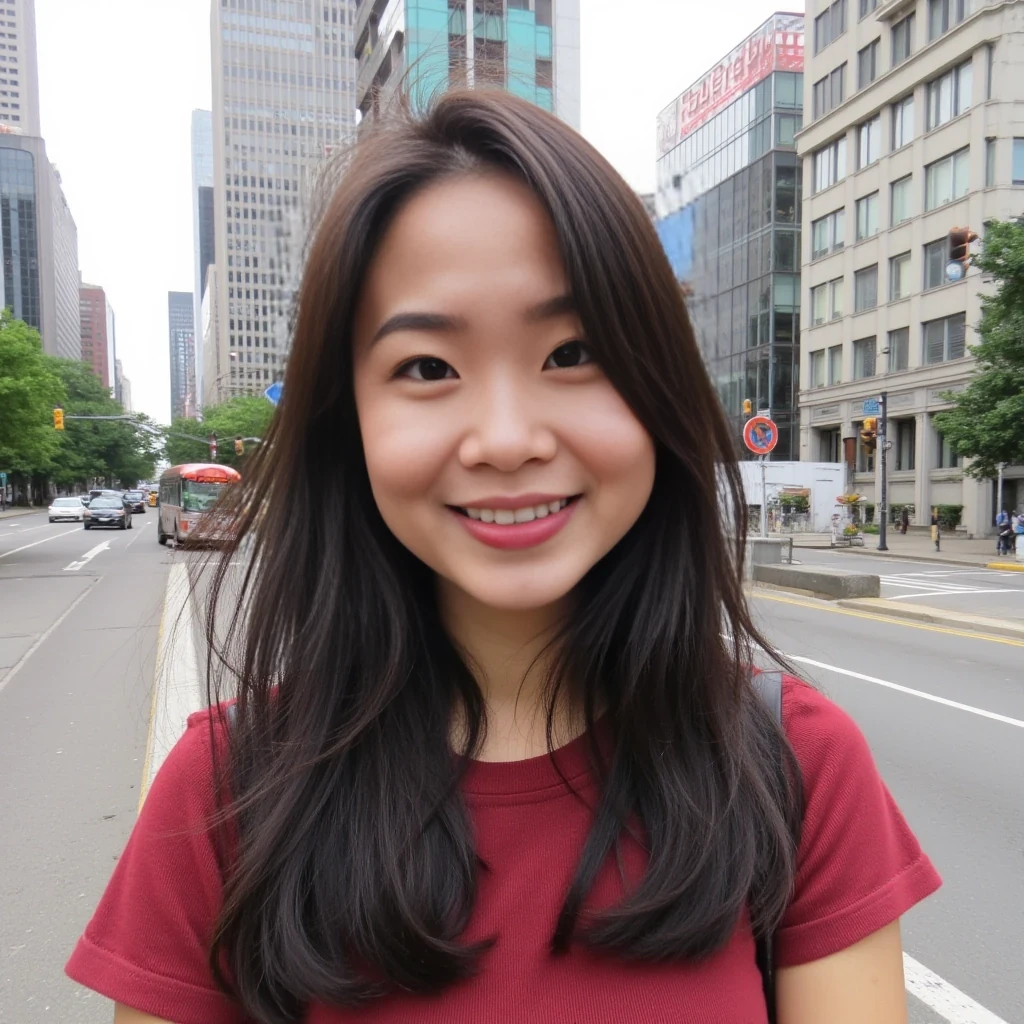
(406, 367)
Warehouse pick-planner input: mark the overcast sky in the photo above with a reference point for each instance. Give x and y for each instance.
(119, 80)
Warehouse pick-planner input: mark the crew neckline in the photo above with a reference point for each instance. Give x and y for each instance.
(536, 775)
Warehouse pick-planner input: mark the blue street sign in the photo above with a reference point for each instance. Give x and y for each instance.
(273, 393)
(872, 407)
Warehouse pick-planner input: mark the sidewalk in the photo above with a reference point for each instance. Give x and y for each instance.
(12, 513)
(918, 547)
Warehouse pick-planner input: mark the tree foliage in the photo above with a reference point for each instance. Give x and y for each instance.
(987, 421)
(246, 416)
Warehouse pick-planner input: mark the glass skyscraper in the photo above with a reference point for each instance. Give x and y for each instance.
(729, 191)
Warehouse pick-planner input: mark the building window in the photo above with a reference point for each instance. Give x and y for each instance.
(935, 264)
(867, 216)
(830, 164)
(899, 349)
(867, 64)
(990, 61)
(946, 457)
(829, 25)
(828, 233)
(899, 277)
(949, 95)
(902, 40)
(990, 162)
(903, 122)
(906, 445)
(869, 141)
(946, 179)
(829, 91)
(900, 200)
(835, 365)
(863, 358)
(944, 14)
(827, 301)
(818, 368)
(945, 339)
(865, 288)
(1018, 161)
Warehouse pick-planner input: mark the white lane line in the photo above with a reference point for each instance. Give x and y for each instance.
(134, 539)
(45, 540)
(942, 997)
(906, 689)
(87, 557)
(946, 593)
(42, 638)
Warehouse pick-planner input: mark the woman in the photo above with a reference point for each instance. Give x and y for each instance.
(936, 528)
(493, 760)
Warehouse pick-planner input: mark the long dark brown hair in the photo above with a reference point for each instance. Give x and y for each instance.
(351, 867)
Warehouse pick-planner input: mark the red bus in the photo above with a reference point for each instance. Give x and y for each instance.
(186, 494)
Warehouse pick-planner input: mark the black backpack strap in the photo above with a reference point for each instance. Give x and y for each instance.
(769, 689)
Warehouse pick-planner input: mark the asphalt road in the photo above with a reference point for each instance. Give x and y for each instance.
(954, 588)
(77, 659)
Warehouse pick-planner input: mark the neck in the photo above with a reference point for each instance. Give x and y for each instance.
(508, 653)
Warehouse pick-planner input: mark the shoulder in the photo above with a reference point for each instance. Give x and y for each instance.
(822, 734)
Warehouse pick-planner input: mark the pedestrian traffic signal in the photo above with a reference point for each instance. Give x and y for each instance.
(58, 418)
(748, 407)
(869, 433)
(239, 446)
(958, 243)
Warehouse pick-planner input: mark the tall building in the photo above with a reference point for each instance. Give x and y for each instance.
(209, 326)
(728, 204)
(98, 334)
(19, 69)
(283, 75)
(530, 47)
(122, 387)
(203, 229)
(182, 334)
(916, 128)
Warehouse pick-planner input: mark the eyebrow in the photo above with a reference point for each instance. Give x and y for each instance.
(437, 323)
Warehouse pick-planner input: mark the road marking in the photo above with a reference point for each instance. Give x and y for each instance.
(42, 638)
(35, 543)
(938, 995)
(134, 539)
(87, 557)
(948, 593)
(927, 627)
(906, 689)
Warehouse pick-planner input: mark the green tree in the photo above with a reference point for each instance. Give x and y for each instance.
(987, 421)
(29, 391)
(245, 416)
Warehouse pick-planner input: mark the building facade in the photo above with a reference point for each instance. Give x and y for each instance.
(915, 128)
(19, 69)
(203, 227)
(209, 322)
(530, 47)
(283, 77)
(97, 325)
(728, 204)
(122, 387)
(182, 334)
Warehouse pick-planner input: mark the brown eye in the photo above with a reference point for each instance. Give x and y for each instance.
(426, 368)
(572, 353)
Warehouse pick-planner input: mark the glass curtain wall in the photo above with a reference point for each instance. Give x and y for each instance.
(20, 227)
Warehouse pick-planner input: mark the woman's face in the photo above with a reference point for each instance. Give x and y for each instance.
(498, 452)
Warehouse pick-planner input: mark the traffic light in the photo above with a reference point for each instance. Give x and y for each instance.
(748, 407)
(58, 418)
(869, 433)
(958, 245)
(239, 446)
(213, 447)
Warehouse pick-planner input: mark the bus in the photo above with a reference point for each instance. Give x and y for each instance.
(186, 493)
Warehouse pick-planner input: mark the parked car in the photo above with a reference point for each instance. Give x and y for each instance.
(108, 510)
(135, 500)
(67, 508)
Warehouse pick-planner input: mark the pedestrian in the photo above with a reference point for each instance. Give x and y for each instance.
(904, 519)
(935, 529)
(1003, 530)
(497, 752)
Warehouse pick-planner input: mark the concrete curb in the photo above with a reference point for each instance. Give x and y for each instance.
(935, 616)
(1006, 566)
(900, 557)
(16, 515)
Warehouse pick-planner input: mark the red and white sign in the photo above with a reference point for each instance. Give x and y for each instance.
(778, 45)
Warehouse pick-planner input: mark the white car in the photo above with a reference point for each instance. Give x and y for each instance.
(67, 508)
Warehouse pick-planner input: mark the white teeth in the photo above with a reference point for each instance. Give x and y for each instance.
(509, 516)
(556, 506)
(473, 513)
(504, 516)
(486, 515)
(524, 515)
(541, 511)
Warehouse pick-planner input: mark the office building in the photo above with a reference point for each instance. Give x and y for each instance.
(209, 325)
(19, 69)
(203, 230)
(182, 334)
(283, 75)
(728, 206)
(530, 47)
(97, 324)
(122, 387)
(915, 128)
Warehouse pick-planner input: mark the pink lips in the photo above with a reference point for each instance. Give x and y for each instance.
(518, 535)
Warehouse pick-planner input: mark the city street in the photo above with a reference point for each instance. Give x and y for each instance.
(78, 643)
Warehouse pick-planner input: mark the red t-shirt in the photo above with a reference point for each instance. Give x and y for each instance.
(860, 868)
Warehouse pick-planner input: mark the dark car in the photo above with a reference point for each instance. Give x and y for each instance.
(108, 510)
(135, 500)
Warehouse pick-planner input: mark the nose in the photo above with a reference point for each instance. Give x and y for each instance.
(507, 430)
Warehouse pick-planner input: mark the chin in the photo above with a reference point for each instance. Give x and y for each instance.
(517, 591)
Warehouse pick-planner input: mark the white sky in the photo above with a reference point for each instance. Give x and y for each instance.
(119, 79)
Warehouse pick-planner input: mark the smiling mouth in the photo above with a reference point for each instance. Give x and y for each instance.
(515, 516)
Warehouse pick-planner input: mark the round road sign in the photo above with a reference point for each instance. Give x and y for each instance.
(760, 435)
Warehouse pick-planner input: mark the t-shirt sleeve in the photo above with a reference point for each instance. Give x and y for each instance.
(859, 866)
(148, 941)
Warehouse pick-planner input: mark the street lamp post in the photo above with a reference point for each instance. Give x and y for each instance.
(883, 445)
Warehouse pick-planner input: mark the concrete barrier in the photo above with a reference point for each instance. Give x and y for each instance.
(822, 581)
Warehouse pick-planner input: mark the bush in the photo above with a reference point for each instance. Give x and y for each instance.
(949, 516)
(869, 513)
(896, 508)
(794, 502)
(870, 528)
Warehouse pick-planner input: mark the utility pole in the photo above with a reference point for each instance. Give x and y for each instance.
(883, 445)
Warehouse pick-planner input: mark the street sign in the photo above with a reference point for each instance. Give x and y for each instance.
(760, 435)
(273, 393)
(955, 271)
(872, 407)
